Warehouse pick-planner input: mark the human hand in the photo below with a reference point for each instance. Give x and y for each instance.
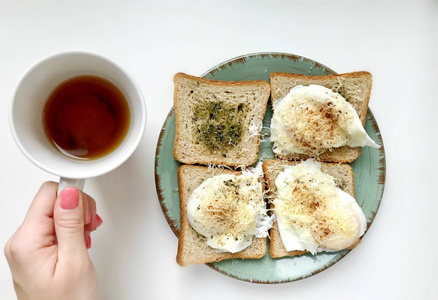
(48, 253)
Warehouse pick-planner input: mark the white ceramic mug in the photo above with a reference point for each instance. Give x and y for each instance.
(31, 94)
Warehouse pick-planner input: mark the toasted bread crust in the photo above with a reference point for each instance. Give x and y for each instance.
(222, 83)
(343, 174)
(355, 87)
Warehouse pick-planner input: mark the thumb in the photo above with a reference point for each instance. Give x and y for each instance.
(68, 217)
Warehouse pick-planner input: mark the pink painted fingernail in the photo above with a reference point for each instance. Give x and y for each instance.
(99, 220)
(88, 242)
(70, 198)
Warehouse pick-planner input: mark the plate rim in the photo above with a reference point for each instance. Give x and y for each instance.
(242, 59)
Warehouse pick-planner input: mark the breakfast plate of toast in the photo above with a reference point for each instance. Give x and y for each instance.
(253, 83)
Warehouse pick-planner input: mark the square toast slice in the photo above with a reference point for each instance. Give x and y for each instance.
(192, 247)
(342, 173)
(355, 87)
(218, 122)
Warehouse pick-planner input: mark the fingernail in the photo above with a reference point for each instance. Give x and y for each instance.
(99, 220)
(70, 198)
(88, 242)
(86, 236)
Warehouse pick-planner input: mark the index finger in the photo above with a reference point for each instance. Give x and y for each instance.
(43, 202)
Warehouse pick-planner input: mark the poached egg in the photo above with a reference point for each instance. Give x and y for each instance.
(229, 210)
(312, 119)
(312, 213)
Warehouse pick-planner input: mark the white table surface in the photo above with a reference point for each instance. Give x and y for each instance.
(134, 251)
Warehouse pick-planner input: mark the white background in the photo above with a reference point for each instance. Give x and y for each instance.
(134, 251)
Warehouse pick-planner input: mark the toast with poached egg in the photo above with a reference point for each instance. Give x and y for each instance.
(320, 117)
(222, 213)
(314, 212)
(218, 122)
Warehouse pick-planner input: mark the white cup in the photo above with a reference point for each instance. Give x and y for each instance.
(31, 94)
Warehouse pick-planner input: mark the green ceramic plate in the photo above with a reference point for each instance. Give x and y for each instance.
(369, 172)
